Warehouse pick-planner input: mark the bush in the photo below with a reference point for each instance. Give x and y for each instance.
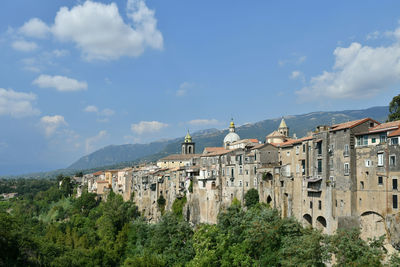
(251, 198)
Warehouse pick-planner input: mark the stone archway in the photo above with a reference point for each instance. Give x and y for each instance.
(321, 222)
(307, 219)
(372, 225)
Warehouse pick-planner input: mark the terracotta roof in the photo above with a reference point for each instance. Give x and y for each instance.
(216, 153)
(180, 157)
(291, 142)
(350, 124)
(213, 149)
(394, 133)
(386, 125)
(275, 134)
(253, 140)
(98, 173)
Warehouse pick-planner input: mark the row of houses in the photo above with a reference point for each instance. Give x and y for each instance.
(343, 175)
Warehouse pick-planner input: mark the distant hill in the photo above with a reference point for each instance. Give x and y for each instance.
(298, 124)
(117, 156)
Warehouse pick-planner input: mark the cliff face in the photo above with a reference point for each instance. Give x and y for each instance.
(393, 229)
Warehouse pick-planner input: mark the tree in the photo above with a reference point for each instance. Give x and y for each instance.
(251, 198)
(394, 109)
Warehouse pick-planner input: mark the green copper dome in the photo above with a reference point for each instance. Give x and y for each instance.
(188, 138)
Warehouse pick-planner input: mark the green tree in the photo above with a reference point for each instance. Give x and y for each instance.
(161, 203)
(251, 198)
(394, 109)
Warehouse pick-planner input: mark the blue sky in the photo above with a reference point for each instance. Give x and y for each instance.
(78, 75)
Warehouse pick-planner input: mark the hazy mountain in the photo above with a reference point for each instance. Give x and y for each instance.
(298, 124)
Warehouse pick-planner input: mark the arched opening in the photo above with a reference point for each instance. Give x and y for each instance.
(372, 225)
(267, 176)
(189, 150)
(213, 185)
(321, 222)
(269, 199)
(307, 219)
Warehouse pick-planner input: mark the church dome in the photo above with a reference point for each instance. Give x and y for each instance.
(231, 137)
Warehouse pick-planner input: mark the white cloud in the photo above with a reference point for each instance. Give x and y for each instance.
(295, 74)
(60, 83)
(373, 35)
(201, 122)
(148, 127)
(359, 72)
(24, 46)
(35, 28)
(103, 115)
(51, 123)
(60, 52)
(294, 59)
(17, 104)
(91, 108)
(101, 33)
(183, 88)
(91, 141)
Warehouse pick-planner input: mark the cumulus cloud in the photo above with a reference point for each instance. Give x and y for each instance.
(24, 46)
(295, 74)
(103, 115)
(183, 88)
(359, 72)
(17, 104)
(91, 108)
(92, 141)
(147, 127)
(101, 33)
(201, 122)
(35, 28)
(51, 123)
(60, 83)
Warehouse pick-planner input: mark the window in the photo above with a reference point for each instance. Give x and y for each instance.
(255, 181)
(394, 184)
(227, 183)
(365, 140)
(240, 183)
(247, 172)
(319, 204)
(380, 159)
(346, 150)
(331, 164)
(288, 153)
(368, 163)
(373, 140)
(359, 140)
(395, 201)
(240, 170)
(362, 185)
(255, 170)
(297, 150)
(247, 184)
(320, 166)
(392, 160)
(394, 141)
(282, 183)
(346, 169)
(383, 138)
(304, 148)
(380, 180)
(310, 204)
(303, 167)
(319, 147)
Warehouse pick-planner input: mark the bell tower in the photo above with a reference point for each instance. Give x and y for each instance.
(188, 147)
(283, 129)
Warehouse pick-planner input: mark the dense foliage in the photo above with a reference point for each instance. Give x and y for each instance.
(56, 229)
(394, 109)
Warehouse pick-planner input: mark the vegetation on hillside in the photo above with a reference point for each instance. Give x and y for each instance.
(53, 228)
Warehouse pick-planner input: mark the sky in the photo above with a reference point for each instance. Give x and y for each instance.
(76, 76)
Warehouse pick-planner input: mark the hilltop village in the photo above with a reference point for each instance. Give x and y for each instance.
(339, 176)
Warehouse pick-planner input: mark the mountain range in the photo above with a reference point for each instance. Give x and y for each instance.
(117, 156)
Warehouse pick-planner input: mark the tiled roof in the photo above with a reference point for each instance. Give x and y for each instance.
(216, 153)
(394, 133)
(386, 125)
(253, 140)
(213, 149)
(350, 124)
(180, 157)
(275, 134)
(98, 173)
(291, 142)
